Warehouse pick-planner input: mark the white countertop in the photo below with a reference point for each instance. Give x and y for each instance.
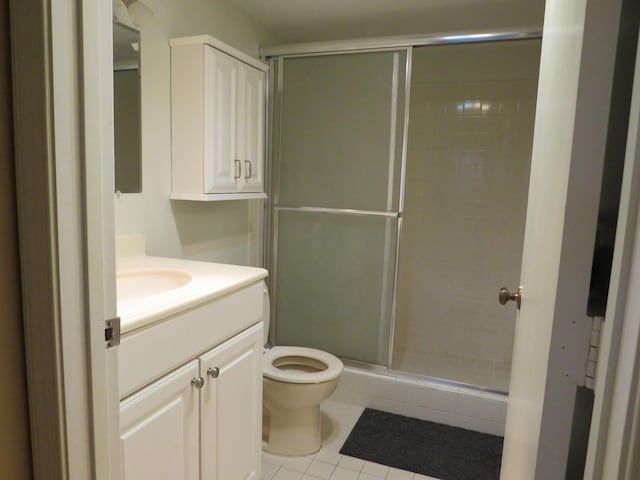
(209, 281)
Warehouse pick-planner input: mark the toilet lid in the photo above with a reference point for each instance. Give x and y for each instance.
(302, 356)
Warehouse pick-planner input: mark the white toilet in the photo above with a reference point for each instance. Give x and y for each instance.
(296, 380)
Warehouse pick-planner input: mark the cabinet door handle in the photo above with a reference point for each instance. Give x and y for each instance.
(238, 165)
(197, 382)
(213, 372)
(247, 166)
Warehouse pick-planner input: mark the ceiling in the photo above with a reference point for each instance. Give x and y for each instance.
(320, 20)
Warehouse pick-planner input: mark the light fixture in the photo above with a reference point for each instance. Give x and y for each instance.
(133, 13)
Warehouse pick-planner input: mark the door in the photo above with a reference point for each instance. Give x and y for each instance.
(159, 429)
(338, 149)
(64, 164)
(251, 129)
(222, 165)
(231, 408)
(552, 330)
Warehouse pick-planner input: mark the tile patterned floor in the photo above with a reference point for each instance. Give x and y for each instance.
(328, 463)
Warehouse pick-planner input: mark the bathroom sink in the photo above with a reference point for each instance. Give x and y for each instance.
(144, 283)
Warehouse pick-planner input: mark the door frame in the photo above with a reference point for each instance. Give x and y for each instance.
(615, 421)
(63, 121)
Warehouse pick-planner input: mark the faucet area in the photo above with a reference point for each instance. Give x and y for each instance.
(297, 229)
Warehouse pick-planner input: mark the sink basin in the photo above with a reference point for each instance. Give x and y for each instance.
(144, 283)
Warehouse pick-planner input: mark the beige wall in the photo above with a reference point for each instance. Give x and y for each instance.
(214, 231)
(15, 461)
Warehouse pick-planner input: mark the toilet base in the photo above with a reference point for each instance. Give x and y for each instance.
(294, 431)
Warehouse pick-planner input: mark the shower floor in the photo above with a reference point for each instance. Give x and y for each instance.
(483, 373)
(328, 464)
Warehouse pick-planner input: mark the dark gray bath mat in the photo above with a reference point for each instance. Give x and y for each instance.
(433, 449)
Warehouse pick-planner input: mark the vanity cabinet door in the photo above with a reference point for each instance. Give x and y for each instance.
(159, 429)
(231, 408)
(251, 128)
(223, 165)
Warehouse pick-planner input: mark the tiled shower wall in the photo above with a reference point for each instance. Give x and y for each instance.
(470, 134)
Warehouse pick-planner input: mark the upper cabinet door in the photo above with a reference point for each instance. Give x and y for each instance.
(251, 128)
(223, 167)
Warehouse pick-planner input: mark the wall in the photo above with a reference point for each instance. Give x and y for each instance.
(339, 19)
(470, 134)
(15, 462)
(218, 231)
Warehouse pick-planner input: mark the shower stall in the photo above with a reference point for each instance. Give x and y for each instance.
(399, 181)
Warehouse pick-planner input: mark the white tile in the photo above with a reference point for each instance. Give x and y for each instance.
(344, 474)
(347, 423)
(273, 459)
(418, 476)
(597, 323)
(335, 443)
(329, 455)
(309, 477)
(366, 476)
(285, 474)
(352, 411)
(268, 470)
(375, 469)
(320, 469)
(299, 464)
(334, 409)
(397, 474)
(351, 463)
(337, 431)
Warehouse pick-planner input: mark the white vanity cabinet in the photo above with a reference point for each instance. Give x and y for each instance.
(217, 121)
(191, 389)
(200, 422)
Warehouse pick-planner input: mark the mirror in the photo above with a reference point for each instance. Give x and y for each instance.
(126, 109)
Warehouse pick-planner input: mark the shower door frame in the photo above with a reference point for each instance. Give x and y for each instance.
(397, 44)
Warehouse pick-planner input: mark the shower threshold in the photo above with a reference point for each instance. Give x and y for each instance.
(426, 398)
(419, 378)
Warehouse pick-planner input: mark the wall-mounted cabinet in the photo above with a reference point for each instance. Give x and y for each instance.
(217, 121)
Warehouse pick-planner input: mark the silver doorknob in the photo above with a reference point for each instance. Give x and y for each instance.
(197, 382)
(213, 372)
(504, 295)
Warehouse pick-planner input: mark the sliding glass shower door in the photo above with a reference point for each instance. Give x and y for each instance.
(339, 123)
(468, 157)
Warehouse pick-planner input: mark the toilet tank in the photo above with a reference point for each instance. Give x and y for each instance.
(266, 313)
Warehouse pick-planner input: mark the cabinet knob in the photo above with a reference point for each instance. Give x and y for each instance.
(213, 372)
(238, 172)
(247, 169)
(197, 382)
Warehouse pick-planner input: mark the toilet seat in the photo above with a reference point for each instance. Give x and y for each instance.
(333, 370)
